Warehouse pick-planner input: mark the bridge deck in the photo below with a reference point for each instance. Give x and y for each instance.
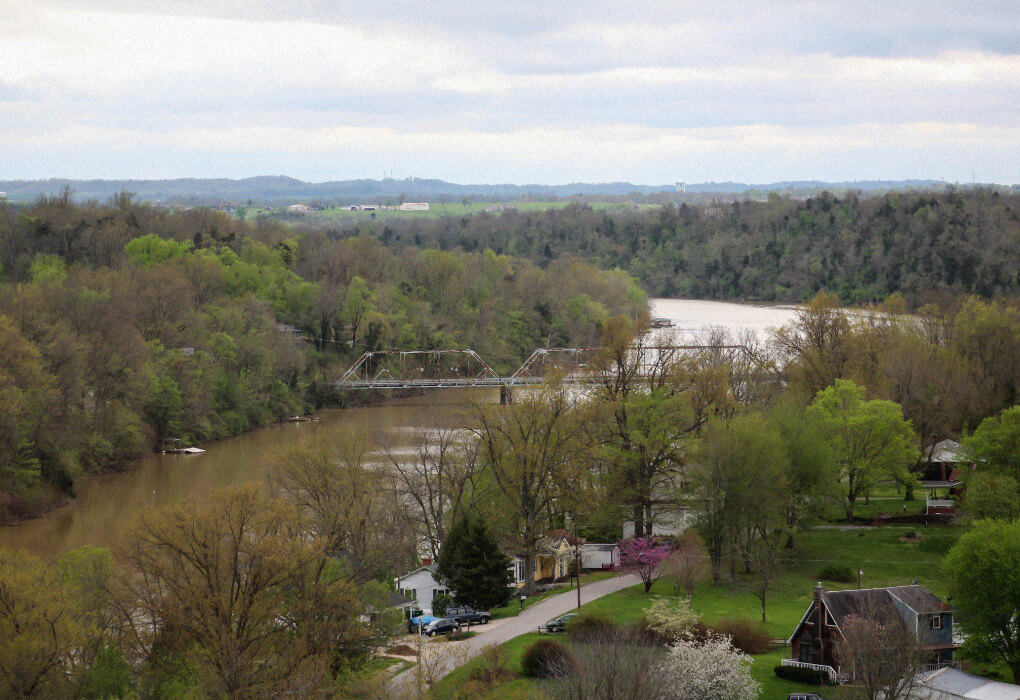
(444, 383)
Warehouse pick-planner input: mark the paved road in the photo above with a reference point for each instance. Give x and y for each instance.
(528, 621)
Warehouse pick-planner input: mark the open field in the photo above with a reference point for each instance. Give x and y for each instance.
(436, 210)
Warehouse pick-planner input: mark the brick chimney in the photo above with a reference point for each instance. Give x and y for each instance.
(820, 621)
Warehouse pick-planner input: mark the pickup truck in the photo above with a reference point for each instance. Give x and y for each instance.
(468, 616)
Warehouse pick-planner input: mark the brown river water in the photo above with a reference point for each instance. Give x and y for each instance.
(107, 506)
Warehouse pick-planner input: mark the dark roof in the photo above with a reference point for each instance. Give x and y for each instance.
(395, 600)
(880, 600)
(919, 598)
(566, 535)
(876, 601)
(841, 604)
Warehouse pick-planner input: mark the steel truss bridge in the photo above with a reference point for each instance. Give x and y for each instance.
(438, 369)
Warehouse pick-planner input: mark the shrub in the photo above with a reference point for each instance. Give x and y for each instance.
(802, 675)
(747, 636)
(459, 636)
(440, 603)
(546, 658)
(836, 572)
(492, 666)
(670, 618)
(589, 624)
(910, 535)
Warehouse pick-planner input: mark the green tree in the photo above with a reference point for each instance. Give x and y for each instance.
(735, 512)
(993, 486)
(995, 445)
(983, 574)
(40, 632)
(533, 448)
(871, 441)
(473, 565)
(239, 590)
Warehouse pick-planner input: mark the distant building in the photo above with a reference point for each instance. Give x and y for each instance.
(499, 208)
(422, 585)
(298, 208)
(942, 477)
(414, 206)
(369, 207)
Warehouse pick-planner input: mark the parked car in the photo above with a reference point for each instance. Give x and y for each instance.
(560, 623)
(441, 625)
(469, 616)
(804, 696)
(419, 621)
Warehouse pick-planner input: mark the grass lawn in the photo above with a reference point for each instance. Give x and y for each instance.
(884, 555)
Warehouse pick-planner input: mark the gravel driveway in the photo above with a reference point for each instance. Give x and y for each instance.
(529, 620)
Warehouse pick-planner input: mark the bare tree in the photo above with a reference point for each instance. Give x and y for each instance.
(611, 665)
(352, 507)
(534, 447)
(238, 589)
(685, 567)
(880, 653)
(441, 482)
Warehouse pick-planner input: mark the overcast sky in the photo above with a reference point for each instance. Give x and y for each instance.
(536, 91)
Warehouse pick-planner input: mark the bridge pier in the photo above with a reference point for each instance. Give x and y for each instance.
(505, 397)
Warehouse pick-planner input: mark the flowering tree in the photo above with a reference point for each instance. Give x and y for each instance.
(712, 668)
(642, 556)
(671, 617)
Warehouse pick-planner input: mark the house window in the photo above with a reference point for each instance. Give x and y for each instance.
(828, 619)
(936, 622)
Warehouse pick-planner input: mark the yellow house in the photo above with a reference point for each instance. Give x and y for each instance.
(553, 558)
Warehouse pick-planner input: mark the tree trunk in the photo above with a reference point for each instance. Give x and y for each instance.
(639, 520)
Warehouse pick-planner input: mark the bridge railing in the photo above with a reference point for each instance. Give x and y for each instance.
(391, 369)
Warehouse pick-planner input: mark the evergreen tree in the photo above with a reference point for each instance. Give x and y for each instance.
(473, 565)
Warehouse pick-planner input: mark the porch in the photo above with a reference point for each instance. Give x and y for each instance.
(834, 675)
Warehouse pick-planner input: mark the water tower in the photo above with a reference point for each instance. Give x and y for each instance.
(681, 187)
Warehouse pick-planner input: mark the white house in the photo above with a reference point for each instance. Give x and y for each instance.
(414, 206)
(670, 521)
(298, 208)
(516, 570)
(422, 585)
(600, 556)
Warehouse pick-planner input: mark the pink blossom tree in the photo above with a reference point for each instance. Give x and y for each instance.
(642, 556)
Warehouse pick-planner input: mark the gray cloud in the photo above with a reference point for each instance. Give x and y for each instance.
(107, 85)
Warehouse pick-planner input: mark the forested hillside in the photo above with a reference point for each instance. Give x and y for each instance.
(863, 249)
(121, 326)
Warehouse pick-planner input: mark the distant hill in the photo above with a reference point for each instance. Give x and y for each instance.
(286, 189)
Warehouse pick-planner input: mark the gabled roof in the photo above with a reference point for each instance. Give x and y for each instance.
(561, 534)
(841, 604)
(947, 451)
(431, 568)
